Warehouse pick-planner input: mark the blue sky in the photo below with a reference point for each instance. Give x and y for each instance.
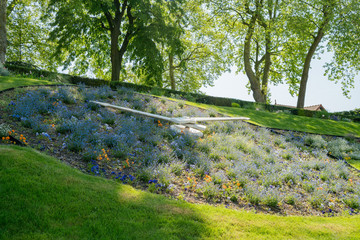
(319, 90)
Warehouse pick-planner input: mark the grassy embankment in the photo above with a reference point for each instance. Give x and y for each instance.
(11, 82)
(288, 121)
(45, 199)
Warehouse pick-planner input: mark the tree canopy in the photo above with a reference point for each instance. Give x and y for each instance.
(185, 45)
(90, 33)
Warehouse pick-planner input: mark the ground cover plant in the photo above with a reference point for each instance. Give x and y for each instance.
(234, 164)
(45, 199)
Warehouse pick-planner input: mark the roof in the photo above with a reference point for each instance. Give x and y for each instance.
(318, 107)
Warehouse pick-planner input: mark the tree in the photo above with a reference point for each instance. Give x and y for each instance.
(3, 39)
(312, 25)
(127, 29)
(27, 35)
(200, 60)
(254, 28)
(344, 43)
(5, 10)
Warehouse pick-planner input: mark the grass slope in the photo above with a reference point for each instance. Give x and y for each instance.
(42, 198)
(289, 122)
(11, 82)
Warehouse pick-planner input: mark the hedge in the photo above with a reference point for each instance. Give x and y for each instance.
(196, 97)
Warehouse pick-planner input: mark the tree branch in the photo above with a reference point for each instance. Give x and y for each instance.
(108, 17)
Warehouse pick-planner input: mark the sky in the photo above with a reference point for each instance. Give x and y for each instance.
(319, 90)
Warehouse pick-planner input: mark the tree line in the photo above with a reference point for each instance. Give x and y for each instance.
(185, 45)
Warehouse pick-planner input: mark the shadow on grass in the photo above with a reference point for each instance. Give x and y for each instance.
(42, 198)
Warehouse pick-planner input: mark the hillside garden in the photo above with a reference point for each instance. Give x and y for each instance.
(235, 164)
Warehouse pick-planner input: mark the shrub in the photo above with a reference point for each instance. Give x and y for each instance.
(319, 198)
(315, 141)
(66, 96)
(121, 150)
(35, 123)
(107, 116)
(291, 199)
(110, 140)
(4, 130)
(145, 174)
(338, 147)
(177, 167)
(353, 202)
(210, 190)
(31, 104)
(252, 195)
(164, 175)
(271, 197)
(90, 154)
(235, 105)
(3, 70)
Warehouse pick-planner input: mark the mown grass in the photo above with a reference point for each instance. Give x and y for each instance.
(354, 163)
(42, 198)
(11, 82)
(289, 122)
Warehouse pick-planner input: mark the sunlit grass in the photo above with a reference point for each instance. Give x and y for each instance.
(42, 198)
(354, 163)
(288, 121)
(12, 82)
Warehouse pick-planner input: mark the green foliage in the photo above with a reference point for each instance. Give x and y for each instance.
(201, 58)
(28, 35)
(235, 104)
(315, 141)
(3, 70)
(124, 31)
(4, 130)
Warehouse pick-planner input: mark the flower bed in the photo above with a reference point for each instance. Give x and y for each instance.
(234, 163)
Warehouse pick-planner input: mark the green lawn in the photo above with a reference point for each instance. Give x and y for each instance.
(289, 122)
(354, 163)
(42, 198)
(11, 82)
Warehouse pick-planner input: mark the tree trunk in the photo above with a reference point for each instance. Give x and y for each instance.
(254, 81)
(171, 72)
(3, 39)
(265, 79)
(306, 68)
(317, 39)
(115, 55)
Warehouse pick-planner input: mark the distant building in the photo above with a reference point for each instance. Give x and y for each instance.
(318, 107)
